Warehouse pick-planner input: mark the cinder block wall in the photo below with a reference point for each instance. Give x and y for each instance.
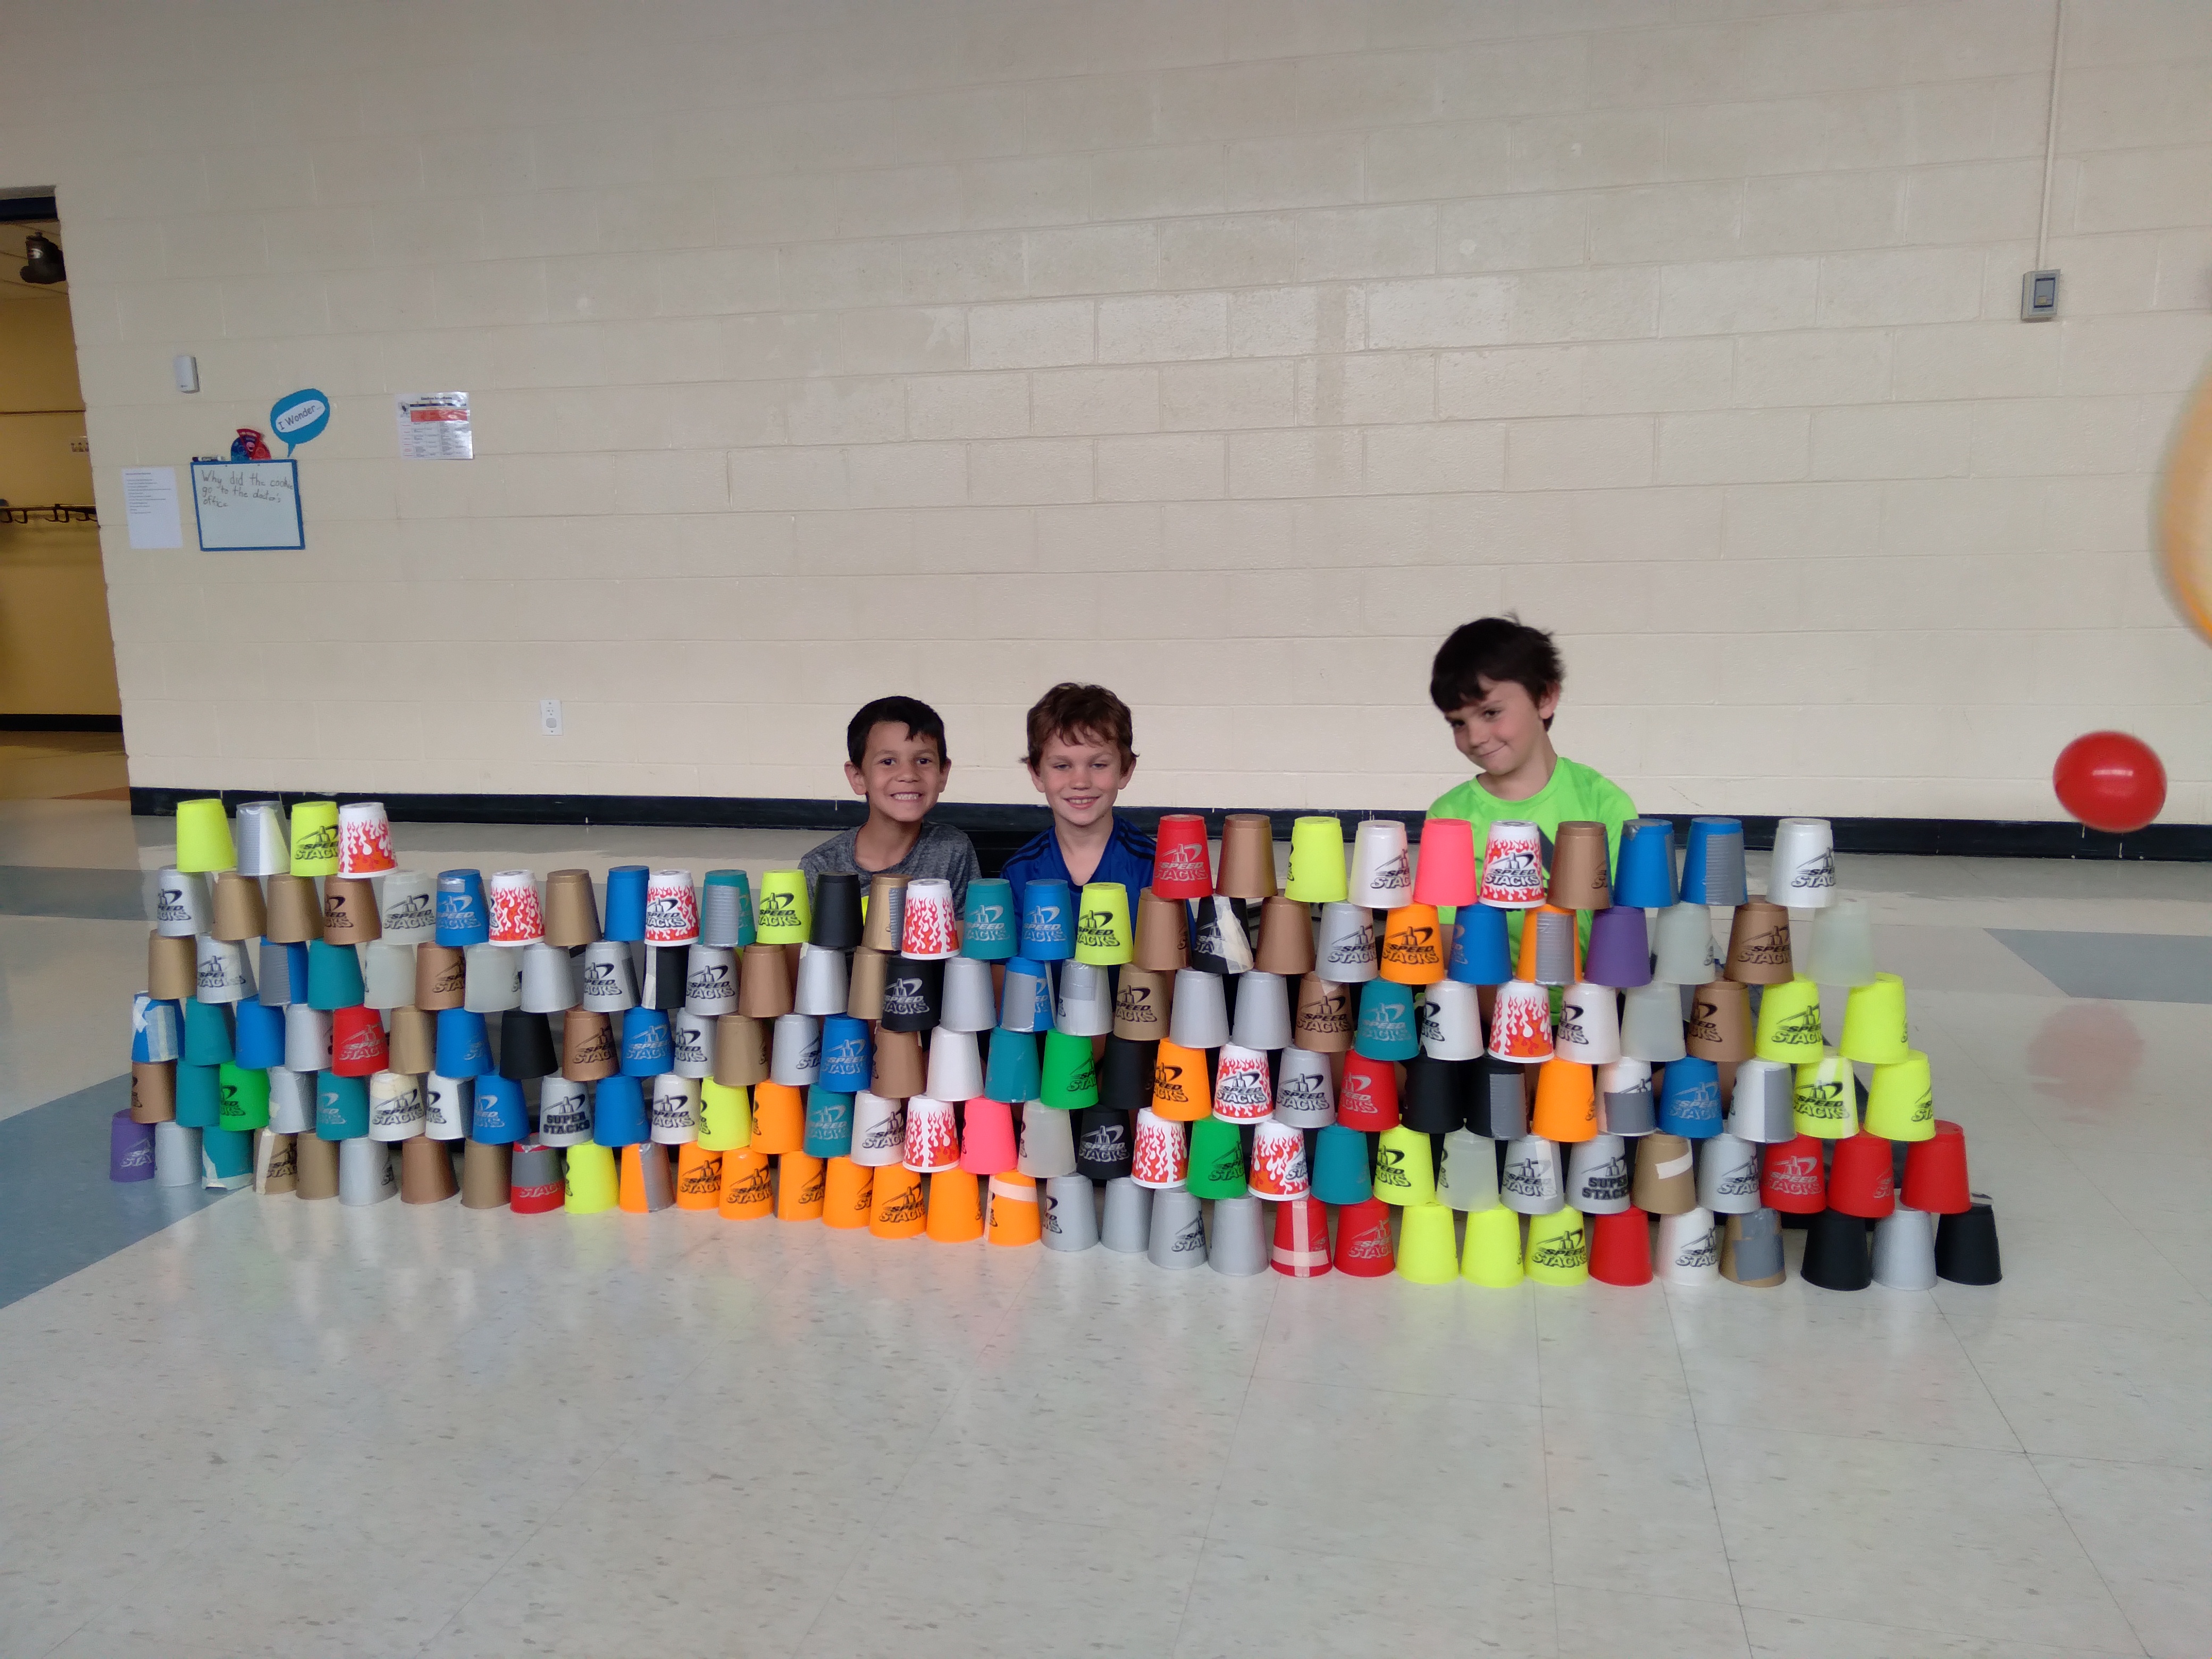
(1225, 350)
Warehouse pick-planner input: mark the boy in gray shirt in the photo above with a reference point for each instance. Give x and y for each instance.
(896, 760)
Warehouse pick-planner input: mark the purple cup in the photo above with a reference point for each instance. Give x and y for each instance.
(130, 1148)
(1620, 954)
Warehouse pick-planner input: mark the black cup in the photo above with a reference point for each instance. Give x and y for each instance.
(914, 993)
(1125, 1074)
(525, 1046)
(836, 912)
(1837, 1252)
(1966, 1245)
(1103, 1143)
(1434, 1097)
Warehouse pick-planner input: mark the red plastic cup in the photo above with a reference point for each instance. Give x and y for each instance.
(1862, 1177)
(1790, 1179)
(1301, 1248)
(987, 1137)
(1620, 1248)
(1368, 1098)
(1447, 873)
(1363, 1240)
(1183, 868)
(357, 1042)
(1936, 1172)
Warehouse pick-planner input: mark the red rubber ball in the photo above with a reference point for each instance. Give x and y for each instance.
(2110, 782)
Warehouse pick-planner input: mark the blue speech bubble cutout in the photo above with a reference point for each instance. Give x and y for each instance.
(298, 416)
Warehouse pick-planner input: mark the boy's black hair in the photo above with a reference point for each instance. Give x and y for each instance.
(1496, 649)
(919, 720)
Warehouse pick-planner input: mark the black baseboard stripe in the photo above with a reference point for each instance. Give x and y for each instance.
(61, 723)
(1954, 837)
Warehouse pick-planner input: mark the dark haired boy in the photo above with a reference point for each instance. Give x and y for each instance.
(1081, 756)
(895, 758)
(1497, 683)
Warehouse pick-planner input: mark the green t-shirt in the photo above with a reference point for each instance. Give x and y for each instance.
(1575, 793)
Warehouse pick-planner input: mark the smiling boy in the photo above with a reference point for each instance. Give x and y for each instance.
(895, 758)
(1081, 757)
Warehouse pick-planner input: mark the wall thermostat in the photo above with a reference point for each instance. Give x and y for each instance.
(2038, 296)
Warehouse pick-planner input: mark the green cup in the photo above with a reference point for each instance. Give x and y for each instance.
(1216, 1159)
(1069, 1079)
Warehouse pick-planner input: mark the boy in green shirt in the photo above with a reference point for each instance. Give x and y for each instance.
(1497, 683)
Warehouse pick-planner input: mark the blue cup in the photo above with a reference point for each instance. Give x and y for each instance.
(157, 1029)
(207, 1033)
(260, 1042)
(1026, 1003)
(829, 1131)
(988, 921)
(227, 1155)
(618, 1112)
(199, 1095)
(1387, 1030)
(1646, 875)
(130, 1148)
(462, 917)
(644, 1042)
(1690, 1099)
(1048, 920)
(1712, 868)
(283, 975)
(463, 1048)
(1011, 1072)
(333, 976)
(498, 1117)
(341, 1107)
(849, 1055)
(1481, 953)
(1340, 1166)
(626, 884)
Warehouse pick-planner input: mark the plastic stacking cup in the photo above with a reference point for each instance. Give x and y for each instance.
(1874, 1022)
(176, 1158)
(1086, 1001)
(742, 1047)
(208, 1039)
(1237, 1247)
(1163, 934)
(1047, 1145)
(1448, 873)
(836, 923)
(1521, 1023)
(152, 1091)
(204, 843)
(1599, 1174)
(396, 1110)
(1935, 1173)
(801, 1186)
(1751, 1249)
(1500, 1105)
(1862, 1177)
(501, 1118)
(1759, 949)
(564, 1113)
(1824, 1103)
(199, 1096)
(784, 916)
(387, 974)
(846, 1056)
(698, 1178)
(340, 1105)
(1901, 1100)
(1047, 932)
(1382, 876)
(1346, 952)
(1126, 1224)
(448, 1106)
(171, 967)
(1762, 1109)
(358, 1044)
(1480, 953)
(263, 843)
(1161, 1153)
(315, 838)
(222, 970)
(1413, 949)
(1789, 1023)
(988, 925)
(1588, 1031)
(955, 1068)
(1549, 952)
(1532, 1182)
(242, 1098)
(1367, 1099)
(1689, 1247)
(493, 979)
(588, 1049)
(882, 922)
(932, 1142)
(1720, 1022)
(671, 1109)
(1966, 1245)
(914, 993)
(1690, 1099)
(1323, 1018)
(1451, 1022)
(764, 990)
(237, 911)
(929, 926)
(517, 918)
(710, 980)
(426, 1171)
(1580, 861)
(899, 1069)
(1842, 949)
(1277, 1168)
(779, 1119)
(1216, 1168)
(726, 1116)
(1683, 948)
(281, 972)
(1176, 1237)
(878, 1131)
(1219, 943)
(1241, 1090)
(1791, 1177)
(1387, 1029)
(1428, 1247)
(1198, 1017)
(1404, 1172)
(1728, 1176)
(1620, 954)
(1103, 935)
(1558, 1249)
(1317, 874)
(1013, 1220)
(260, 1042)
(726, 910)
(1665, 1181)
(1433, 1101)
(1836, 1254)
(1286, 938)
(1801, 875)
(1263, 1011)
(1713, 865)
(820, 987)
(1103, 1143)
(628, 889)
(463, 915)
(1181, 1090)
(645, 1044)
(1566, 1102)
(535, 1184)
(364, 839)
(847, 1194)
(1364, 1245)
(1182, 867)
(1025, 1001)
(1305, 1089)
(1513, 866)
(1069, 1220)
(1340, 1166)
(1620, 1248)
(646, 1183)
(1012, 1073)
(1299, 1249)
(1904, 1250)
(1248, 857)
(407, 907)
(618, 1115)
(1645, 877)
(748, 1189)
(365, 1173)
(1491, 1255)
(1068, 1079)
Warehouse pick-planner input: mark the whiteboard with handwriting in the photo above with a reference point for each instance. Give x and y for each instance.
(247, 506)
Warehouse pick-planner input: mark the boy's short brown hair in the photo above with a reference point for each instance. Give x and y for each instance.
(1070, 711)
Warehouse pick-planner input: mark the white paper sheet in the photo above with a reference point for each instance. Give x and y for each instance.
(150, 506)
(433, 425)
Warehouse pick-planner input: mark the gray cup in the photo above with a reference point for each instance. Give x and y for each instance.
(1239, 1243)
(690, 1044)
(291, 1101)
(969, 1004)
(306, 1039)
(610, 984)
(1177, 1239)
(494, 979)
(1758, 1245)
(722, 914)
(407, 905)
(387, 974)
(1467, 1177)
(1126, 1226)
(548, 980)
(1048, 1146)
(564, 1113)
(1903, 1250)
(274, 977)
(1070, 1221)
(1629, 1107)
(1760, 1110)
(1728, 1175)
(176, 1156)
(364, 1172)
(1599, 1174)
(710, 979)
(1263, 1013)
(263, 835)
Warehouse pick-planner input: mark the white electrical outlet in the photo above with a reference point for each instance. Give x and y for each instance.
(549, 716)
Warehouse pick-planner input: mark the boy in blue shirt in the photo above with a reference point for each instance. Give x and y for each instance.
(1081, 757)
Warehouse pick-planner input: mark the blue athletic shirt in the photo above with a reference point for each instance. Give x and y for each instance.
(1128, 859)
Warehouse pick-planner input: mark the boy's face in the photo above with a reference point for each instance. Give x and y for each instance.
(1504, 725)
(1080, 776)
(901, 772)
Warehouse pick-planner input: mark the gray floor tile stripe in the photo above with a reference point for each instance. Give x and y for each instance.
(2117, 966)
(86, 894)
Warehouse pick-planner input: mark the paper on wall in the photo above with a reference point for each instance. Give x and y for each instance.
(433, 425)
(150, 506)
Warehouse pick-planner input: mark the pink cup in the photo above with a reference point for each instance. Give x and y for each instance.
(987, 1139)
(1446, 873)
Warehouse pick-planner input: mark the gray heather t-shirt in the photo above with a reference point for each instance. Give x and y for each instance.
(941, 852)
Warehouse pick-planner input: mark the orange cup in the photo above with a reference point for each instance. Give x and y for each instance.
(1181, 1093)
(1566, 1102)
(900, 1211)
(955, 1206)
(799, 1192)
(1014, 1218)
(1412, 945)
(698, 1178)
(779, 1119)
(747, 1194)
(847, 1194)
